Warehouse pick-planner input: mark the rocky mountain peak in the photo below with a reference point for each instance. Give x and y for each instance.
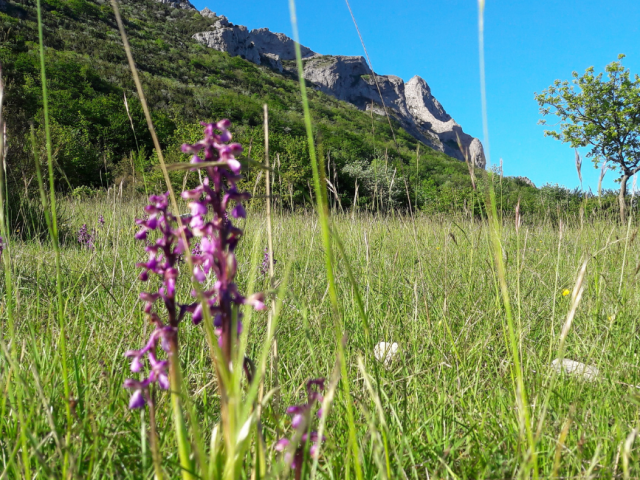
(420, 98)
(350, 79)
(205, 12)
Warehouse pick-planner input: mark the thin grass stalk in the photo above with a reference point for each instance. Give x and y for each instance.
(175, 374)
(521, 394)
(9, 462)
(8, 277)
(326, 406)
(417, 176)
(274, 357)
(244, 408)
(380, 411)
(252, 391)
(555, 287)
(375, 77)
(259, 468)
(53, 231)
(144, 178)
(518, 275)
(318, 174)
(155, 448)
(576, 296)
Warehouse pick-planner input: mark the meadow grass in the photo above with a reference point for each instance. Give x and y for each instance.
(446, 405)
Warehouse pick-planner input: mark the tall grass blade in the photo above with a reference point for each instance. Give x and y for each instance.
(53, 231)
(323, 213)
(8, 277)
(520, 394)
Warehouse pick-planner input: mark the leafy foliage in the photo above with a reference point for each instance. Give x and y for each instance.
(601, 114)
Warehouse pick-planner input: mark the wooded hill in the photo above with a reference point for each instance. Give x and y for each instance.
(95, 145)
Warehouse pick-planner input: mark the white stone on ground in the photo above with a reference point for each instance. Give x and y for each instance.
(386, 352)
(571, 367)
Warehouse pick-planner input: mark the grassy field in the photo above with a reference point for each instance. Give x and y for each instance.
(445, 407)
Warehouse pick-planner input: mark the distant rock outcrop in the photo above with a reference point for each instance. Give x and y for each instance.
(527, 181)
(350, 79)
(429, 114)
(230, 38)
(259, 46)
(205, 12)
(185, 4)
(341, 77)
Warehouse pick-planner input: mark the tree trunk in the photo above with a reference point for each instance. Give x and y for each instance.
(621, 198)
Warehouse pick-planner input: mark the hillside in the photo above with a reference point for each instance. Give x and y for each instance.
(186, 82)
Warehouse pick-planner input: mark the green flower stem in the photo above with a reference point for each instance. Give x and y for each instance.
(184, 447)
(155, 450)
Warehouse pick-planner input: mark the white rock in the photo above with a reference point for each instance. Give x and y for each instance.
(205, 12)
(255, 45)
(277, 44)
(429, 113)
(386, 352)
(571, 367)
(271, 60)
(527, 181)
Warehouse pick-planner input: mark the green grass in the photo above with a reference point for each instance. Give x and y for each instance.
(427, 283)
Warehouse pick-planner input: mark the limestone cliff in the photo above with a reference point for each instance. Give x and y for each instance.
(350, 79)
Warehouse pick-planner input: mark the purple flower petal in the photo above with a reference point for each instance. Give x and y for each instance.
(282, 444)
(198, 208)
(137, 400)
(234, 165)
(163, 381)
(297, 420)
(136, 364)
(239, 211)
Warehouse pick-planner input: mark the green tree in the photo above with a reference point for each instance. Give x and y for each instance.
(603, 114)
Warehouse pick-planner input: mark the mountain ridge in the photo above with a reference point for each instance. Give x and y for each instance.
(350, 79)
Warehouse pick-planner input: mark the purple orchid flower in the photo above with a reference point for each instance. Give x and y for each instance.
(301, 420)
(264, 268)
(211, 223)
(211, 238)
(86, 239)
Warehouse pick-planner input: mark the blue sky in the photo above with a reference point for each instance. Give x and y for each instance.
(528, 46)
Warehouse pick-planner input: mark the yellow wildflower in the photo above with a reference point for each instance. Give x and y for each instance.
(565, 292)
